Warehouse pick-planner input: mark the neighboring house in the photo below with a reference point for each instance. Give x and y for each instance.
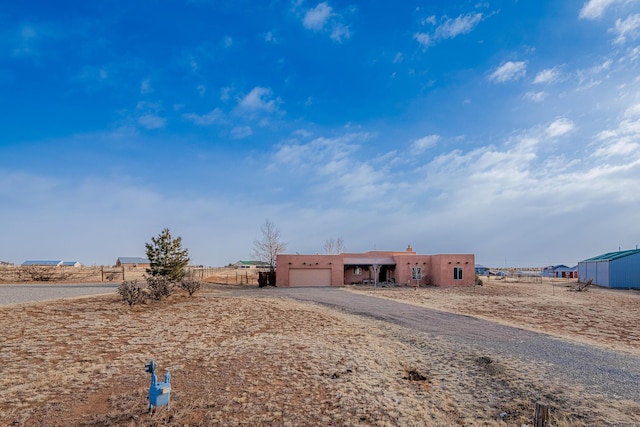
(71, 264)
(124, 261)
(51, 263)
(560, 270)
(251, 265)
(481, 270)
(402, 268)
(612, 270)
(498, 273)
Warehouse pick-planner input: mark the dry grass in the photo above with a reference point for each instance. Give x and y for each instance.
(603, 317)
(248, 361)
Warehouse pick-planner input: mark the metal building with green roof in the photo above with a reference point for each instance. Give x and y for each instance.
(612, 270)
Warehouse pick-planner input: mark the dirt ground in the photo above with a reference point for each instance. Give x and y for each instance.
(599, 316)
(261, 361)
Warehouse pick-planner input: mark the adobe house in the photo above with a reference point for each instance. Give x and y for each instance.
(373, 267)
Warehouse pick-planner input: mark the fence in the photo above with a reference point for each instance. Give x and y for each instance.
(44, 273)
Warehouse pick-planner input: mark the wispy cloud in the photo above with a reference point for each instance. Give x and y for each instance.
(448, 29)
(152, 121)
(149, 115)
(421, 145)
(258, 99)
(626, 29)
(145, 87)
(423, 39)
(28, 38)
(240, 132)
(594, 9)
(623, 140)
(322, 18)
(549, 75)
(560, 127)
(215, 116)
(463, 24)
(316, 18)
(535, 96)
(509, 71)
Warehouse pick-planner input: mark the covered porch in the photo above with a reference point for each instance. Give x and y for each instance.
(369, 271)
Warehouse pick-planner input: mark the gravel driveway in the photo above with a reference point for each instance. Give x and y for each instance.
(13, 294)
(614, 374)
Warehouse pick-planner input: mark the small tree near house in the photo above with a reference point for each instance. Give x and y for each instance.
(268, 247)
(166, 256)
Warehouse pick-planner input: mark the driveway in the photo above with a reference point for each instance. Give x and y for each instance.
(14, 294)
(614, 374)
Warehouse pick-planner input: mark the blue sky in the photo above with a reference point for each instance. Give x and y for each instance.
(508, 129)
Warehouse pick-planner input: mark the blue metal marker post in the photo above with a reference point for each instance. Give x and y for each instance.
(159, 392)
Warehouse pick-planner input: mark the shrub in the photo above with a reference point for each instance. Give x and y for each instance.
(131, 292)
(478, 280)
(190, 285)
(159, 287)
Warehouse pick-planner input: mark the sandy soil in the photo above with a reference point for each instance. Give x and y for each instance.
(250, 361)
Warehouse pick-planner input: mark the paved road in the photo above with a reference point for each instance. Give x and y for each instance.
(616, 375)
(13, 294)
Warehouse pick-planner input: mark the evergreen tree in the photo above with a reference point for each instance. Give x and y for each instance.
(167, 257)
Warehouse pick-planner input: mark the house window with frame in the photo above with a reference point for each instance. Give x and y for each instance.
(357, 271)
(416, 273)
(457, 273)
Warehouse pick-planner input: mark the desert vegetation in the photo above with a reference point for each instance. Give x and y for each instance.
(242, 360)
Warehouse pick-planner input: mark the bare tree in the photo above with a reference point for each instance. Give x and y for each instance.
(333, 247)
(269, 246)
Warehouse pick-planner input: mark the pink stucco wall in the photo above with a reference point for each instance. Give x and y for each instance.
(284, 263)
(435, 269)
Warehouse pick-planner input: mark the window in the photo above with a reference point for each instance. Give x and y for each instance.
(457, 273)
(416, 273)
(357, 271)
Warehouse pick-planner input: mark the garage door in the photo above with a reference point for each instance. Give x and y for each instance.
(310, 277)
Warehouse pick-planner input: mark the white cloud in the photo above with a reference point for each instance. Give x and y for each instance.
(423, 38)
(626, 29)
(240, 132)
(549, 75)
(463, 24)
(152, 121)
(560, 127)
(317, 17)
(535, 96)
(323, 18)
(202, 89)
(145, 87)
(227, 41)
(259, 99)
(430, 20)
(269, 37)
(509, 71)
(340, 32)
(420, 145)
(593, 9)
(215, 116)
(448, 29)
(623, 140)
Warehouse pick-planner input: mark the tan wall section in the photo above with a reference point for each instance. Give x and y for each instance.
(285, 263)
(443, 266)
